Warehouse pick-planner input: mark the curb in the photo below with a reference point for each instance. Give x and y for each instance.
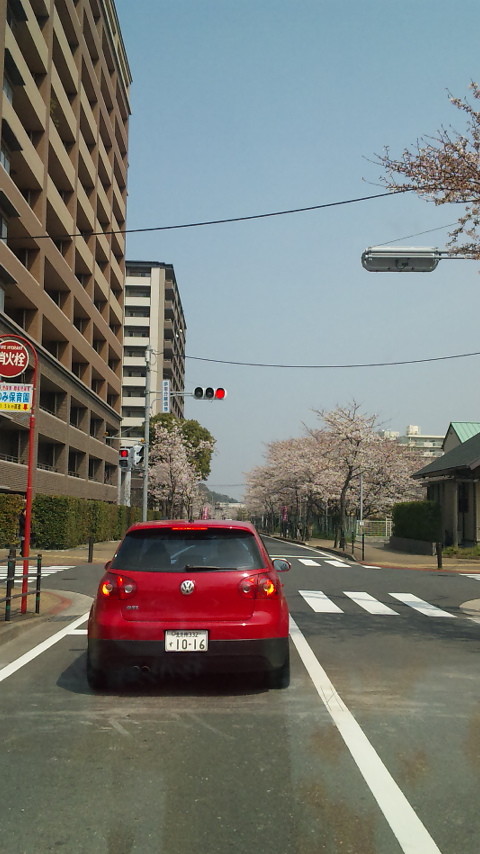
(55, 604)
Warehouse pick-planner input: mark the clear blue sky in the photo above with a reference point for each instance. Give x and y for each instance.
(242, 107)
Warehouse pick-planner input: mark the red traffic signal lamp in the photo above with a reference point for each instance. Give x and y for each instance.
(125, 458)
(209, 393)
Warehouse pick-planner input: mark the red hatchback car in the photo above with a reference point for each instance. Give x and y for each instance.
(189, 596)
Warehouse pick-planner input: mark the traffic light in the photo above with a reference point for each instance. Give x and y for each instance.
(139, 456)
(209, 393)
(125, 458)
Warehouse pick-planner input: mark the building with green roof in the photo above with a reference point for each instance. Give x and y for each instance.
(453, 480)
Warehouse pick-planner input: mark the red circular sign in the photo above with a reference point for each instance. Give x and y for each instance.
(13, 358)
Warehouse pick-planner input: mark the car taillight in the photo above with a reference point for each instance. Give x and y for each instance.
(119, 585)
(261, 586)
(107, 588)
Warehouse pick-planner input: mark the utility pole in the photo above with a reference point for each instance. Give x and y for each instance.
(148, 353)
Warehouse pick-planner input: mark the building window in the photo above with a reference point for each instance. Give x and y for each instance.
(8, 89)
(5, 157)
(3, 228)
(138, 272)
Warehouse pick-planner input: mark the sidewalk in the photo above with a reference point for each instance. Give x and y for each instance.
(376, 554)
(52, 603)
(75, 555)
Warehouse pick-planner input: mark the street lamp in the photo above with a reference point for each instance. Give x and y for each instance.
(401, 259)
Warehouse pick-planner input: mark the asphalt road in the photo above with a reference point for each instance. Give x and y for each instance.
(374, 748)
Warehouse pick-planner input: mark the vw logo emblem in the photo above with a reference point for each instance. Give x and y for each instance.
(187, 587)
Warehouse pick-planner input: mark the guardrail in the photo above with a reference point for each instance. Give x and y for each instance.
(10, 594)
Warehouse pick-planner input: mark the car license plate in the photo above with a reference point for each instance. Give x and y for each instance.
(186, 641)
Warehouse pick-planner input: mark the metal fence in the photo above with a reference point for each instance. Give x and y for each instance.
(374, 529)
(379, 529)
(12, 577)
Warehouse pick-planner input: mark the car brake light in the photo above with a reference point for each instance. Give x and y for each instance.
(261, 586)
(190, 528)
(118, 584)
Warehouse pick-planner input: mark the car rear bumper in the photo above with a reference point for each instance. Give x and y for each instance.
(222, 656)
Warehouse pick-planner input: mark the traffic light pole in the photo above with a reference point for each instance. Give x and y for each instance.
(148, 354)
(199, 393)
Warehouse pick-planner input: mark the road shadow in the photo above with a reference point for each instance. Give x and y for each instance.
(188, 681)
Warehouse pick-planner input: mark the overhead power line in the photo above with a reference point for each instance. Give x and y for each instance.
(418, 233)
(216, 221)
(329, 367)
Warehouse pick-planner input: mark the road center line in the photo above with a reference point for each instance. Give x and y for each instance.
(9, 669)
(411, 834)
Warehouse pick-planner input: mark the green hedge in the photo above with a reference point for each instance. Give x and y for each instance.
(10, 507)
(417, 520)
(60, 522)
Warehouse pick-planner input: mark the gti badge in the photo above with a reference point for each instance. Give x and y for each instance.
(187, 587)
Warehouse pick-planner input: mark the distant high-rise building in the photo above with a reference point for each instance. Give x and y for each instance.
(63, 173)
(422, 444)
(153, 318)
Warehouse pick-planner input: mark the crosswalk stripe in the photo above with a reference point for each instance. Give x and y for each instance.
(338, 563)
(369, 603)
(46, 571)
(475, 575)
(319, 602)
(308, 561)
(322, 604)
(420, 605)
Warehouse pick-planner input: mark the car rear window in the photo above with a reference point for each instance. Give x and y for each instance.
(169, 550)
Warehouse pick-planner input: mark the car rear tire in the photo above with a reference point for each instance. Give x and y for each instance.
(97, 679)
(280, 677)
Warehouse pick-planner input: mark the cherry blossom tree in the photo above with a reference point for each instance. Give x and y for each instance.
(321, 472)
(173, 475)
(197, 438)
(352, 441)
(445, 168)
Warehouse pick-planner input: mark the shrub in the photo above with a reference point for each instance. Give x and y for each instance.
(417, 520)
(10, 507)
(60, 522)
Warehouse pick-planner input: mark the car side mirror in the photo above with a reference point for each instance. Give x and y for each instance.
(281, 564)
(107, 565)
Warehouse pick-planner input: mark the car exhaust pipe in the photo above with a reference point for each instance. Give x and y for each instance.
(145, 668)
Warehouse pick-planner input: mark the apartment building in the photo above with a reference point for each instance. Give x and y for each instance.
(64, 114)
(423, 444)
(153, 318)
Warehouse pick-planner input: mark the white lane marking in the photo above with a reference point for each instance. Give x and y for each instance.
(308, 562)
(78, 632)
(367, 566)
(57, 567)
(420, 605)
(338, 563)
(7, 671)
(475, 575)
(46, 570)
(320, 603)
(410, 832)
(369, 603)
(299, 557)
(304, 548)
